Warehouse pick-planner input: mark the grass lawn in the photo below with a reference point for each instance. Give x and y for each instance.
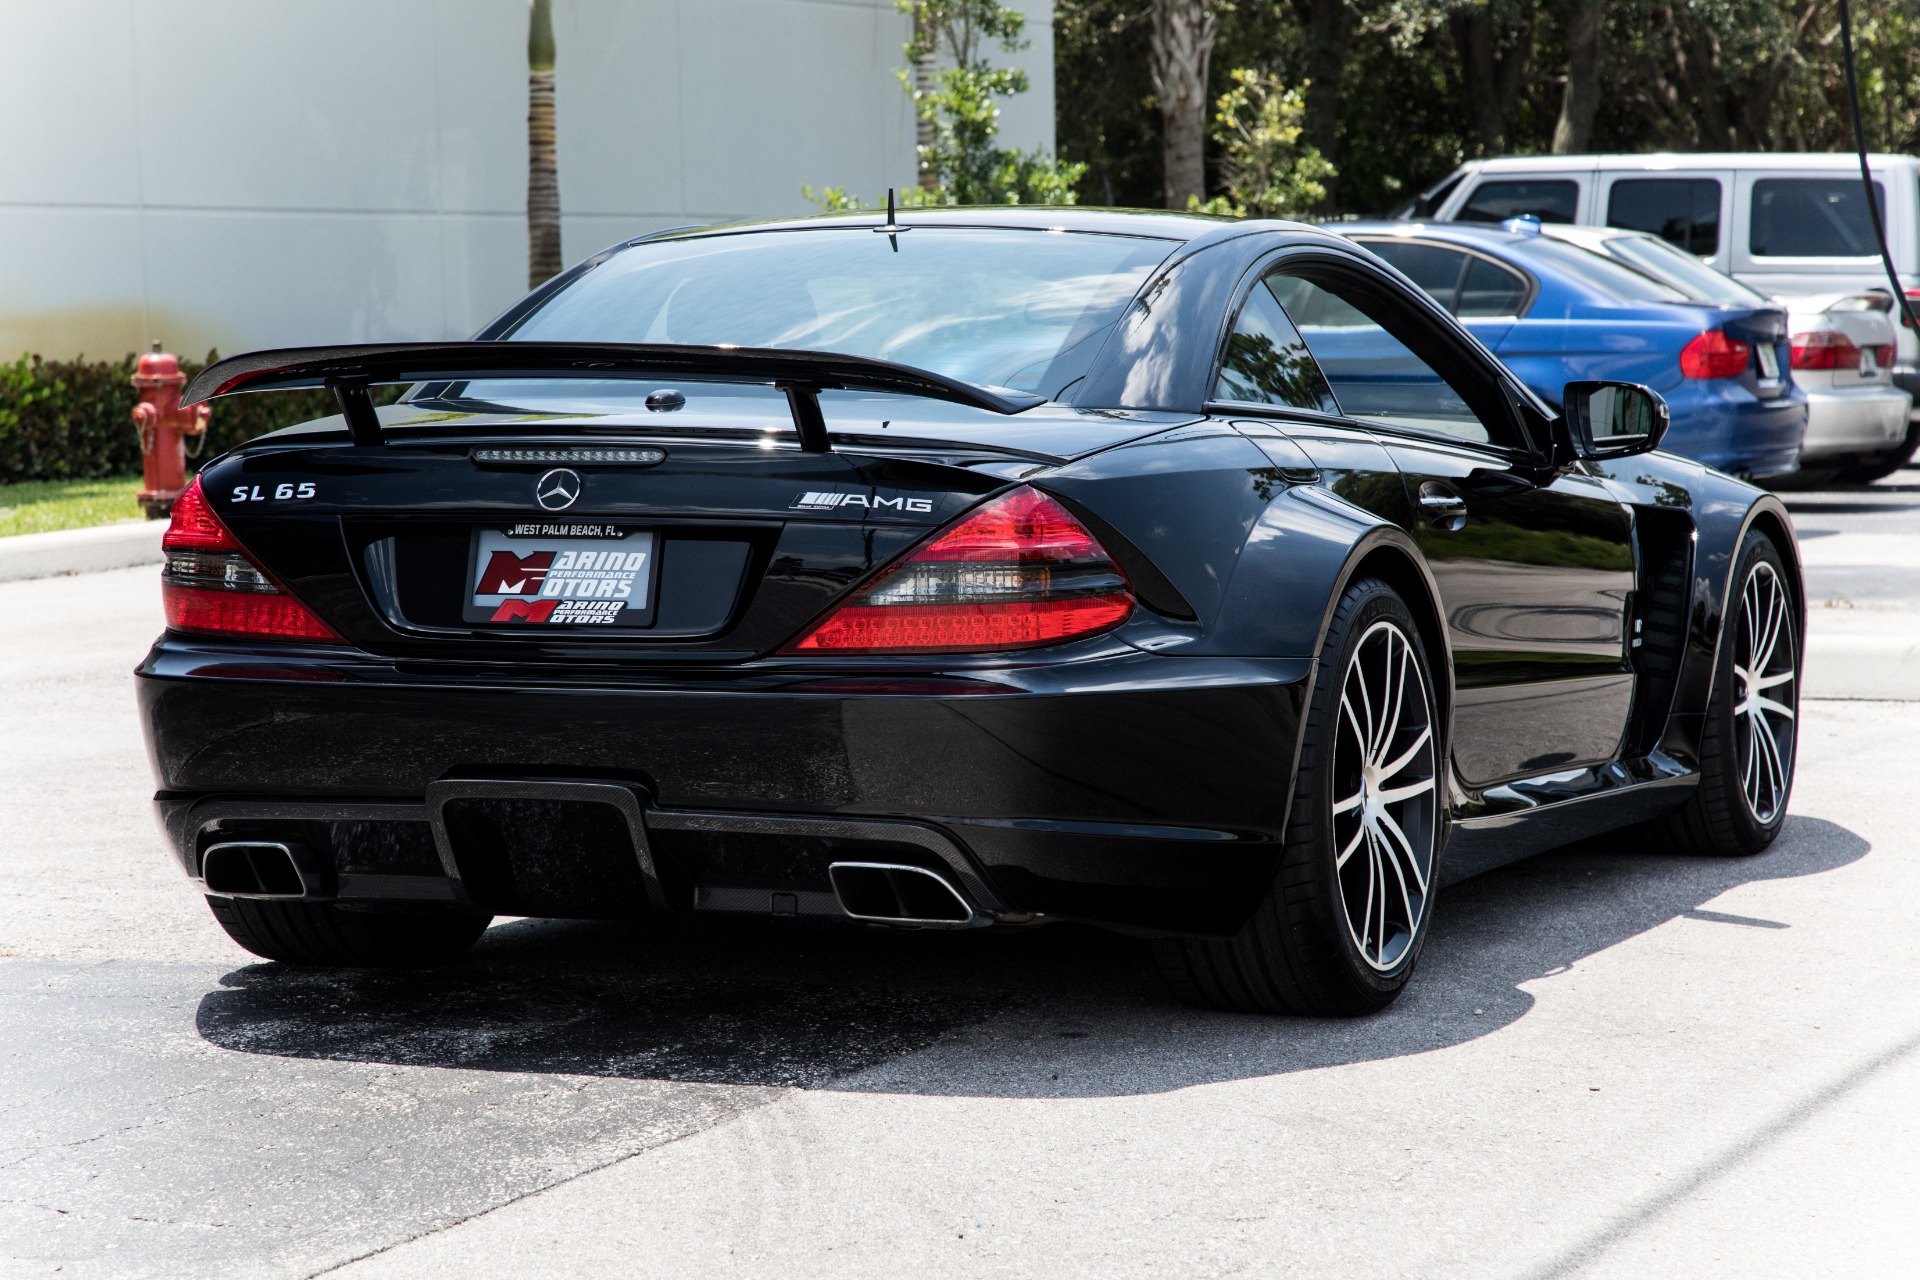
(40, 506)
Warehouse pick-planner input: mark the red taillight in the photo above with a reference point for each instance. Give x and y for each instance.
(1714, 355)
(1017, 573)
(1883, 354)
(1825, 349)
(213, 587)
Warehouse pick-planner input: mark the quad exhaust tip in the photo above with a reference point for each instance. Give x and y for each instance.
(891, 893)
(252, 869)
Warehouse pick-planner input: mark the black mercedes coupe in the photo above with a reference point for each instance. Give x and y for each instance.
(1202, 580)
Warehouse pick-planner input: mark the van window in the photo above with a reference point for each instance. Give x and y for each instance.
(1548, 200)
(1813, 218)
(1685, 212)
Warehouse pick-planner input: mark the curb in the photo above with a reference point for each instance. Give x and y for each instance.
(109, 546)
(1863, 667)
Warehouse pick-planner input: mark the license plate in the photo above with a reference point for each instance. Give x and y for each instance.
(1769, 360)
(562, 574)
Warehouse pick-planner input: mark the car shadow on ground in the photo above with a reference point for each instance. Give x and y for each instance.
(1043, 1012)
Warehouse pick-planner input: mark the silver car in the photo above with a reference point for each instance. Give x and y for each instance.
(1843, 354)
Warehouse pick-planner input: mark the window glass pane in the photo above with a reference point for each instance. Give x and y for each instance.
(1813, 218)
(1683, 271)
(1373, 375)
(1549, 201)
(1433, 268)
(1491, 290)
(1020, 309)
(1685, 212)
(1596, 272)
(1266, 363)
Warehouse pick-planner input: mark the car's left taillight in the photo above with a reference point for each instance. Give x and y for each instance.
(1714, 355)
(211, 586)
(1015, 573)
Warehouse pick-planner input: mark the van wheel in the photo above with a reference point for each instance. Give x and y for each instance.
(1346, 917)
(326, 935)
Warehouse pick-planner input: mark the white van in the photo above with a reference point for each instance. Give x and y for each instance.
(1789, 225)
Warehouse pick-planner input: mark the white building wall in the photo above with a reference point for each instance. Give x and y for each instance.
(254, 173)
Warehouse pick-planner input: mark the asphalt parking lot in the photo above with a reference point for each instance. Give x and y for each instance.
(1614, 1062)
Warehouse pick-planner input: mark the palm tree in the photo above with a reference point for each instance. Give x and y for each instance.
(543, 180)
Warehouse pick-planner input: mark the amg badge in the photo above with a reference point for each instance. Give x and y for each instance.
(833, 500)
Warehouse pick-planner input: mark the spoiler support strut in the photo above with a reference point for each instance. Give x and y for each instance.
(356, 406)
(803, 401)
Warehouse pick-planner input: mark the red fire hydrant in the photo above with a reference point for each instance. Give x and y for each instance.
(164, 427)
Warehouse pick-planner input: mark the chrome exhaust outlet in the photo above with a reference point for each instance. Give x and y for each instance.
(252, 869)
(892, 893)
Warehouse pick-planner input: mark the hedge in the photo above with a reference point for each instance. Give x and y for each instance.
(73, 419)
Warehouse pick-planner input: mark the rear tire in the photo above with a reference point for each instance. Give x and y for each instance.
(1748, 743)
(1884, 465)
(323, 934)
(1343, 924)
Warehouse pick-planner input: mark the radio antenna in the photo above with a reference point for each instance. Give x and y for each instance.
(892, 229)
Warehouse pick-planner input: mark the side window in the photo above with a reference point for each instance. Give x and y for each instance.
(1812, 218)
(1435, 269)
(1548, 199)
(1466, 284)
(1267, 363)
(1489, 289)
(1373, 374)
(1685, 212)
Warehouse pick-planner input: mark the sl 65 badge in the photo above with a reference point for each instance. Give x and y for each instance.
(280, 492)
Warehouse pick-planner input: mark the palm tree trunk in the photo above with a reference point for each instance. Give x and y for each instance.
(543, 177)
(1182, 46)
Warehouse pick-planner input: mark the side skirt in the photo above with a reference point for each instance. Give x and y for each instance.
(1518, 819)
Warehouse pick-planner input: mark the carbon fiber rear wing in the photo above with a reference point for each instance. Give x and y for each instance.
(349, 371)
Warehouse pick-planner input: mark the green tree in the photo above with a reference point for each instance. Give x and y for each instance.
(1267, 168)
(956, 94)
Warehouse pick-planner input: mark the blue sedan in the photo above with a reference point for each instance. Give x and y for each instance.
(1557, 313)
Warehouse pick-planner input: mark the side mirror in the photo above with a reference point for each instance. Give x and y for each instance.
(1612, 419)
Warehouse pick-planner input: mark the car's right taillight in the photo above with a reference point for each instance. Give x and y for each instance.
(1825, 349)
(212, 587)
(1018, 572)
(1714, 355)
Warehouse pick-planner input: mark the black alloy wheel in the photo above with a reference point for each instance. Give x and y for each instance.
(1342, 926)
(1749, 742)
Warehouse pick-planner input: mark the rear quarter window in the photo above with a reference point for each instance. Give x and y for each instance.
(1813, 218)
(1548, 199)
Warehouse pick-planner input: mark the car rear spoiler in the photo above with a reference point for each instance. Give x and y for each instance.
(348, 371)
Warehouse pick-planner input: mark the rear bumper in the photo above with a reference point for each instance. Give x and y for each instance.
(1846, 423)
(1131, 790)
(1723, 424)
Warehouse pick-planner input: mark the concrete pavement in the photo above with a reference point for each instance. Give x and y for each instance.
(1613, 1062)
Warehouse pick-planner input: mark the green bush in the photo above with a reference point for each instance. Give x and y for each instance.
(73, 419)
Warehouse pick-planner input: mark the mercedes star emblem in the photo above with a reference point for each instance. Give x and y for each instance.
(558, 489)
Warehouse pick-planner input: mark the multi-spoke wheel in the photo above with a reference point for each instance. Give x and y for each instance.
(1383, 822)
(1766, 676)
(1747, 743)
(1342, 926)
